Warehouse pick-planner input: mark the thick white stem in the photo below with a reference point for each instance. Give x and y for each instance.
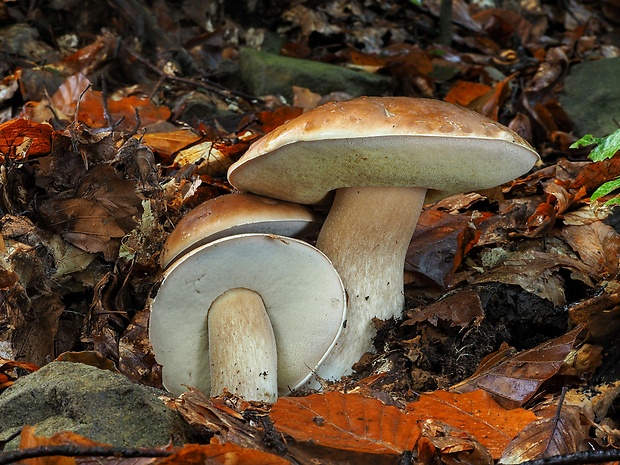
(242, 347)
(366, 236)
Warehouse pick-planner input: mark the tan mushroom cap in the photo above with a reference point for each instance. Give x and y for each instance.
(381, 141)
(238, 213)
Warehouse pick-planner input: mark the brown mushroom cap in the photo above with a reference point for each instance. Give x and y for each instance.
(382, 141)
(237, 214)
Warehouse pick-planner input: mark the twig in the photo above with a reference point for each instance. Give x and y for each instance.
(77, 451)
(203, 82)
(578, 458)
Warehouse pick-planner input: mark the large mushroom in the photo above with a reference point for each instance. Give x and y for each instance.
(237, 213)
(383, 157)
(254, 314)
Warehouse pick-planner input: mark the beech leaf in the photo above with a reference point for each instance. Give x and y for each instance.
(475, 412)
(349, 422)
(512, 381)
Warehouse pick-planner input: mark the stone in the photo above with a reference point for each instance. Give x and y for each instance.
(270, 74)
(95, 403)
(591, 97)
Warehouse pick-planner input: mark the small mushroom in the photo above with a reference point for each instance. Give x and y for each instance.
(232, 214)
(254, 314)
(384, 157)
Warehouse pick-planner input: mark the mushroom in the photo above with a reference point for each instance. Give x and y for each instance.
(231, 214)
(254, 314)
(383, 156)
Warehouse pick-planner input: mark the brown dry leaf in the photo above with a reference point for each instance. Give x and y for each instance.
(21, 138)
(513, 380)
(135, 353)
(102, 210)
(92, 56)
(439, 244)
(537, 272)
(88, 357)
(460, 309)
(305, 99)
(595, 174)
(443, 443)
(548, 436)
(541, 221)
(475, 412)
(227, 453)
(215, 416)
(599, 314)
(349, 422)
(597, 244)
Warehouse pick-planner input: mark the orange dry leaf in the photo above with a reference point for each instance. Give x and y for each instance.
(122, 112)
(194, 454)
(464, 92)
(514, 380)
(349, 422)
(28, 439)
(21, 138)
(7, 373)
(169, 142)
(475, 412)
(490, 103)
(270, 120)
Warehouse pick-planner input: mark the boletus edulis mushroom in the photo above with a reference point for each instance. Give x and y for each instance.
(383, 156)
(237, 213)
(253, 314)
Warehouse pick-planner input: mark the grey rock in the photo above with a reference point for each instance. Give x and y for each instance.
(270, 74)
(591, 97)
(101, 405)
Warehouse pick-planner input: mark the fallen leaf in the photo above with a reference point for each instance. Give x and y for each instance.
(537, 272)
(513, 380)
(28, 439)
(475, 412)
(597, 244)
(554, 434)
(446, 444)
(21, 138)
(98, 214)
(439, 244)
(227, 454)
(349, 422)
(459, 309)
(464, 92)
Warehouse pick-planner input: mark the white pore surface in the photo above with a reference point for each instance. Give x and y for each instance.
(302, 292)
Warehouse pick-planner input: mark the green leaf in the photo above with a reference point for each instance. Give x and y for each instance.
(605, 189)
(416, 2)
(586, 140)
(606, 147)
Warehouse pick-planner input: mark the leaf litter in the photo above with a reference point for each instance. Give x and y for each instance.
(95, 173)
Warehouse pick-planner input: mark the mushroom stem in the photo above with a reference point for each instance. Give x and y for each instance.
(366, 236)
(242, 346)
